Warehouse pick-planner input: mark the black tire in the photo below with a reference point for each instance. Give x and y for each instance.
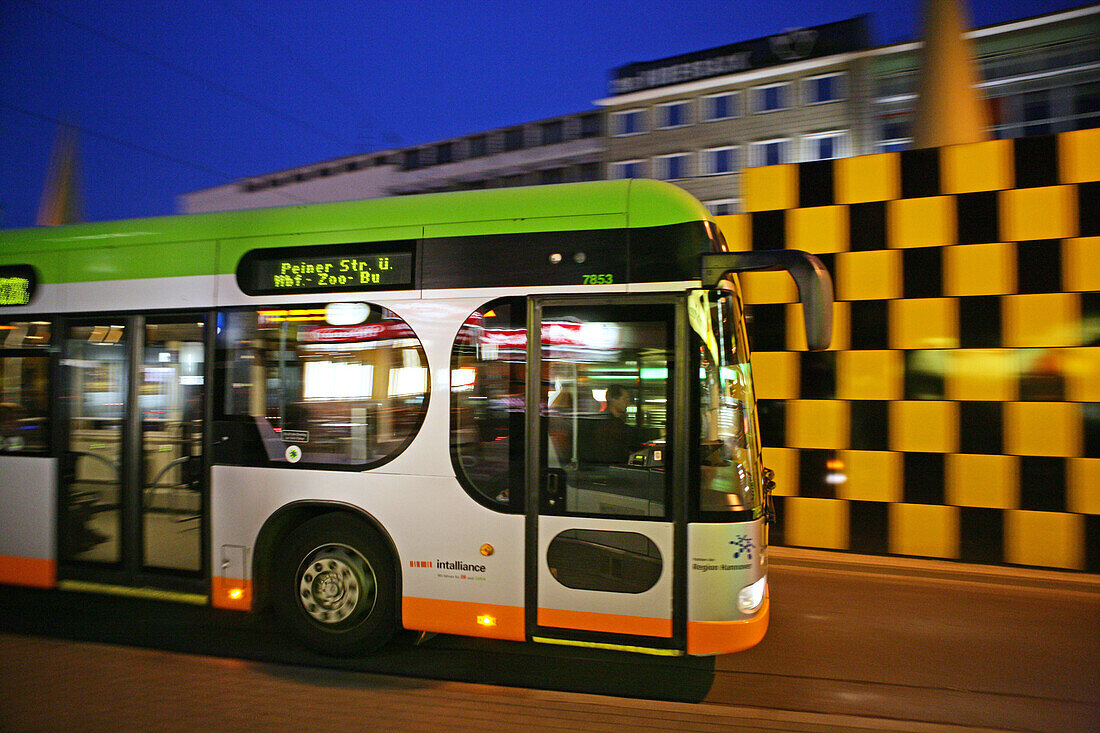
(334, 586)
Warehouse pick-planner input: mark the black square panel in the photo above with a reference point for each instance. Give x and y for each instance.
(767, 326)
(817, 375)
(978, 217)
(1043, 483)
(869, 527)
(924, 375)
(815, 184)
(813, 474)
(1036, 161)
(924, 478)
(981, 535)
(869, 424)
(922, 272)
(773, 423)
(1088, 205)
(870, 324)
(981, 427)
(769, 229)
(920, 173)
(1039, 266)
(980, 322)
(867, 226)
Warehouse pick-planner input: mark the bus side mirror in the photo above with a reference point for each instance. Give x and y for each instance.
(815, 285)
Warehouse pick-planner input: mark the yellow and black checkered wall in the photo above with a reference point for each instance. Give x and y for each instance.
(957, 413)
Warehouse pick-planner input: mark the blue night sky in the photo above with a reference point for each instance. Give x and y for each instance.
(175, 97)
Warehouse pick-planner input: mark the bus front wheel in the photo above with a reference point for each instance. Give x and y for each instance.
(335, 586)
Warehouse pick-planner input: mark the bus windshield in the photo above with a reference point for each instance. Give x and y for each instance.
(729, 446)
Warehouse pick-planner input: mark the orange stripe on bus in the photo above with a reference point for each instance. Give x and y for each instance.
(232, 594)
(609, 622)
(30, 571)
(463, 618)
(726, 637)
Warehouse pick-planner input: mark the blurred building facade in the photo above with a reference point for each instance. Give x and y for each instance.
(699, 119)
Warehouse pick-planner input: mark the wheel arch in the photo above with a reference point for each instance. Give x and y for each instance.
(291, 516)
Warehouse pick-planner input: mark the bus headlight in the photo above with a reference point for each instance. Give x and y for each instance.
(751, 596)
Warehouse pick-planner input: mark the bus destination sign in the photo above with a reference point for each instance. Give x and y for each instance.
(328, 268)
(17, 284)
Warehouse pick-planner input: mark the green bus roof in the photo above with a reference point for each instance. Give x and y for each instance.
(563, 207)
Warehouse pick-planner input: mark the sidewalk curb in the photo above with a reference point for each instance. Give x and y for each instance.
(993, 575)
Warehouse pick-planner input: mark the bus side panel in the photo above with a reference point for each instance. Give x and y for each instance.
(461, 564)
(28, 534)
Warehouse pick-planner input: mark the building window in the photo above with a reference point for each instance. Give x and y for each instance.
(444, 153)
(672, 167)
(631, 122)
(588, 172)
(513, 139)
(825, 145)
(720, 161)
(724, 207)
(552, 133)
(626, 169)
(479, 146)
(771, 152)
(410, 160)
(722, 106)
(590, 125)
(676, 114)
(552, 175)
(773, 97)
(821, 89)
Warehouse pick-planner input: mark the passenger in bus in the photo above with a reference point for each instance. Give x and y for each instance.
(610, 439)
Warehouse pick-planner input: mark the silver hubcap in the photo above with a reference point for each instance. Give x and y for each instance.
(334, 582)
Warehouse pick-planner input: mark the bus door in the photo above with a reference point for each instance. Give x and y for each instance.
(132, 489)
(603, 523)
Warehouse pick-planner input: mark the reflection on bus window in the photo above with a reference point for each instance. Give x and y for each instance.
(607, 388)
(488, 384)
(729, 449)
(24, 387)
(317, 393)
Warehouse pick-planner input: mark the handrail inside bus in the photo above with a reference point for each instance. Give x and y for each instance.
(815, 285)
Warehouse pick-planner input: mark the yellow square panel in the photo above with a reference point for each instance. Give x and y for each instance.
(981, 375)
(923, 222)
(817, 424)
(979, 269)
(927, 530)
(874, 275)
(1083, 492)
(1046, 539)
(985, 166)
(784, 462)
(819, 229)
(810, 522)
(982, 481)
(924, 323)
(870, 475)
(924, 426)
(737, 229)
(870, 375)
(1041, 320)
(1081, 369)
(768, 287)
(867, 178)
(770, 188)
(1048, 212)
(1081, 263)
(796, 328)
(775, 374)
(1043, 429)
(1079, 156)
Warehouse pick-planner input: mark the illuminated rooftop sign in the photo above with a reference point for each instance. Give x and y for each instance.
(327, 268)
(17, 284)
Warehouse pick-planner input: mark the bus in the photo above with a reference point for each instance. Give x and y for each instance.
(519, 414)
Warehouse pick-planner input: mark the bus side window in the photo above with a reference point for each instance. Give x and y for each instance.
(488, 387)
